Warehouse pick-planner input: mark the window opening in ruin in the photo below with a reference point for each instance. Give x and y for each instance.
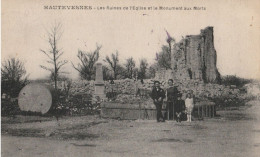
(190, 73)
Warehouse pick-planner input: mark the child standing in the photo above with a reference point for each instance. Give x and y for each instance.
(179, 107)
(189, 103)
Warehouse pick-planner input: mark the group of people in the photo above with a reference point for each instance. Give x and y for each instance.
(176, 108)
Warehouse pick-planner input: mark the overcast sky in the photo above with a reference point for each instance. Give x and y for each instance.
(236, 31)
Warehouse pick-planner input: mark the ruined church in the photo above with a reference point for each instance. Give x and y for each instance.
(193, 58)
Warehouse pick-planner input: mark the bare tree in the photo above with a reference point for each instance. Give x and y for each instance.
(113, 63)
(54, 53)
(130, 65)
(13, 76)
(143, 68)
(87, 61)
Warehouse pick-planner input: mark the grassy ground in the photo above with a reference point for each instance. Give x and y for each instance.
(234, 133)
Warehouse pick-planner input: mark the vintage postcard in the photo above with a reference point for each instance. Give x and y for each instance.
(130, 78)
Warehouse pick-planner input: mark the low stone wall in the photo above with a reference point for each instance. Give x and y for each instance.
(127, 111)
(140, 111)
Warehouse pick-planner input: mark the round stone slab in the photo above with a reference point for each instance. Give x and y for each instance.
(35, 97)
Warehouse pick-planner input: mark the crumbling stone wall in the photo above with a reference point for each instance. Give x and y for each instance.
(194, 58)
(129, 87)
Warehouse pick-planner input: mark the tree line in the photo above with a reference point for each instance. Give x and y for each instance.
(14, 75)
(113, 69)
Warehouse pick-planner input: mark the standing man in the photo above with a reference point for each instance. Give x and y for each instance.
(171, 93)
(158, 95)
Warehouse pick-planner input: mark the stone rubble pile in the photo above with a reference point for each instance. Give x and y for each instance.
(253, 89)
(129, 91)
(78, 87)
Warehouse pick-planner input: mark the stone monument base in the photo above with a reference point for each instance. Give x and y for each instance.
(99, 91)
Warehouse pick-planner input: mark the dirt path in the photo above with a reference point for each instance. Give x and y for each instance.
(235, 133)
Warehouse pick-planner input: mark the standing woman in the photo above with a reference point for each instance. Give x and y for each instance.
(158, 95)
(171, 93)
(189, 103)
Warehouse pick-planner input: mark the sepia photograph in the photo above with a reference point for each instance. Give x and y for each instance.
(150, 78)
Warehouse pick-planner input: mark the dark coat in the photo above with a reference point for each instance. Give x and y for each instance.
(156, 94)
(172, 93)
(179, 106)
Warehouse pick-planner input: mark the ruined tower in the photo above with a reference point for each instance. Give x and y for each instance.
(194, 57)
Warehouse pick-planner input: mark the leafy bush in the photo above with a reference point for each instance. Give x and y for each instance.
(234, 80)
(9, 108)
(231, 100)
(111, 95)
(13, 77)
(80, 104)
